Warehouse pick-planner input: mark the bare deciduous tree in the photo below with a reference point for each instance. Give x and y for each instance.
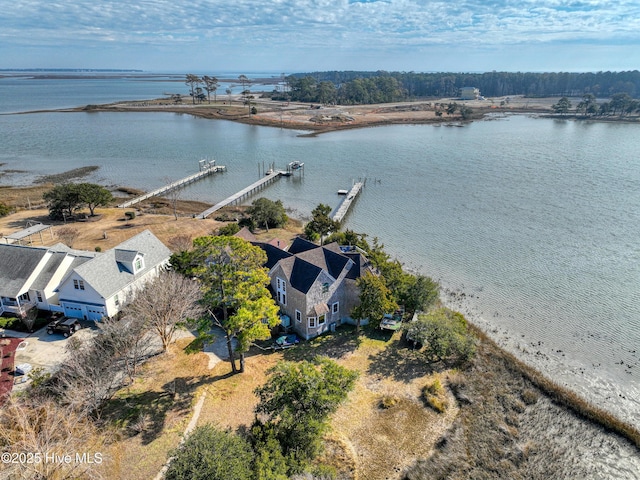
(29, 317)
(166, 304)
(68, 235)
(181, 243)
(131, 341)
(39, 426)
(90, 375)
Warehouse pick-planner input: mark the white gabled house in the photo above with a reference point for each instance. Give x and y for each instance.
(29, 276)
(85, 285)
(100, 287)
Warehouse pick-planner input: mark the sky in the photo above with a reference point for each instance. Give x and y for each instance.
(288, 36)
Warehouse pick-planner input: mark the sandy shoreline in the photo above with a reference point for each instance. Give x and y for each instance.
(317, 119)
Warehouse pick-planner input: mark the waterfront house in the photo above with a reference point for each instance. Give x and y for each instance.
(100, 287)
(469, 93)
(315, 286)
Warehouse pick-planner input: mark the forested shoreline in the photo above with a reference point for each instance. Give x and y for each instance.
(357, 87)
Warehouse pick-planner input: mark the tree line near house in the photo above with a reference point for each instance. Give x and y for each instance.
(355, 87)
(362, 88)
(620, 104)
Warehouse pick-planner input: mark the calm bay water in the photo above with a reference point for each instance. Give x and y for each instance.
(535, 220)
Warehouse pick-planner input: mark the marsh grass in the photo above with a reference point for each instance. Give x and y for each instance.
(514, 423)
(563, 396)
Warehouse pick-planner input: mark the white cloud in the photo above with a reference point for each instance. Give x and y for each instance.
(294, 26)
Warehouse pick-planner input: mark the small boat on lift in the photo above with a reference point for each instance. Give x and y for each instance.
(296, 165)
(343, 192)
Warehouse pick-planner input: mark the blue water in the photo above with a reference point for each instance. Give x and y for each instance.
(535, 220)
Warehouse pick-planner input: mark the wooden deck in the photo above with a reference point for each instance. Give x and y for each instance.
(343, 208)
(267, 179)
(175, 185)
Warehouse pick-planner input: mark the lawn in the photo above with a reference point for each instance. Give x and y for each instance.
(382, 428)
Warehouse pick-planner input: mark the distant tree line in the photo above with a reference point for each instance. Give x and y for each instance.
(352, 87)
(620, 104)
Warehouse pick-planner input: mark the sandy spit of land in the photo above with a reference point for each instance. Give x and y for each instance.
(316, 118)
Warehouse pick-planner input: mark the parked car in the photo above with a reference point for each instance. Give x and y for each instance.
(66, 326)
(285, 341)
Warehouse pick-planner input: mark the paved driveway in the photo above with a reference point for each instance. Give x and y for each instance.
(40, 349)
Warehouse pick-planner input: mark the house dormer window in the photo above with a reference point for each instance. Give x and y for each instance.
(281, 291)
(325, 287)
(78, 284)
(138, 265)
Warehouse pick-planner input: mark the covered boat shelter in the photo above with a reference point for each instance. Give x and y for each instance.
(20, 236)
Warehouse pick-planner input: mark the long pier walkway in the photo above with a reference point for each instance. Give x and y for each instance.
(267, 179)
(343, 208)
(208, 170)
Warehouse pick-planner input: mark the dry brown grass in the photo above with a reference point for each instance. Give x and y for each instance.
(165, 392)
(112, 224)
(23, 197)
(117, 229)
(230, 399)
(387, 440)
(365, 441)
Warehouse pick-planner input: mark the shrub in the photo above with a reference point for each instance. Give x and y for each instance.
(4, 209)
(247, 222)
(229, 230)
(438, 404)
(433, 396)
(9, 322)
(98, 249)
(130, 215)
(434, 388)
(444, 335)
(212, 454)
(388, 401)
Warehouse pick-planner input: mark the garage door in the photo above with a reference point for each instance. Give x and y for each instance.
(95, 313)
(73, 311)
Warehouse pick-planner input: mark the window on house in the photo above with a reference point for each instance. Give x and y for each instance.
(312, 322)
(25, 296)
(281, 291)
(78, 284)
(335, 307)
(39, 296)
(116, 300)
(325, 287)
(298, 316)
(138, 265)
(321, 319)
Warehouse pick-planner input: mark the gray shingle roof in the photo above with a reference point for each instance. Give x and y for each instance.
(17, 263)
(327, 259)
(274, 254)
(300, 245)
(108, 276)
(41, 282)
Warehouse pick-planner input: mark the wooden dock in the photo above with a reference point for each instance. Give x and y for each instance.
(343, 208)
(245, 192)
(209, 170)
